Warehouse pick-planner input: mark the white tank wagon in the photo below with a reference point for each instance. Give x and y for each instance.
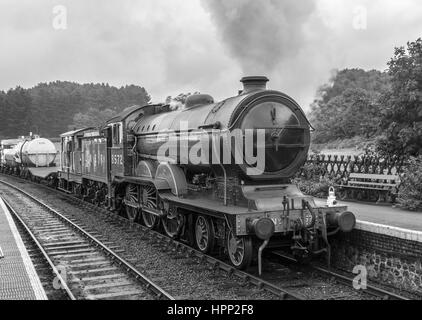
(39, 152)
(6, 147)
(7, 157)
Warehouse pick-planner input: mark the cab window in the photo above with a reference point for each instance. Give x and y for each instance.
(117, 132)
(79, 147)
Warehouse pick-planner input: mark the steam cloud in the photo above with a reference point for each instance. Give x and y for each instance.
(261, 34)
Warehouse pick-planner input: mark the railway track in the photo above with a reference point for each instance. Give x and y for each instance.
(288, 289)
(174, 246)
(84, 266)
(370, 289)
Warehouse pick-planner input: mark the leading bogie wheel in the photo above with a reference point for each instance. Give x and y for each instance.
(239, 250)
(204, 234)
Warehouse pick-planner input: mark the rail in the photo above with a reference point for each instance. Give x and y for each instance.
(160, 293)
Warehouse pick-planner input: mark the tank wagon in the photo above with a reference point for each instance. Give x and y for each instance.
(150, 164)
(31, 157)
(6, 148)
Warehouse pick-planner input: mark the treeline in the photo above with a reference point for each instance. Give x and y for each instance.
(373, 104)
(53, 108)
(349, 105)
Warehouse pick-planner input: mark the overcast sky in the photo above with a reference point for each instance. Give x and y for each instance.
(173, 46)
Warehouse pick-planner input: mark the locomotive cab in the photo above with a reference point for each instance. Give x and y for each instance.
(116, 134)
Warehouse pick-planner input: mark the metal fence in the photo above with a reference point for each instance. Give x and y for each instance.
(342, 166)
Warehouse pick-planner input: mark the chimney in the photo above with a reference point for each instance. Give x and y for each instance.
(254, 83)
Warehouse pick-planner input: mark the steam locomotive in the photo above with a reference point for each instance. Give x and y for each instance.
(214, 174)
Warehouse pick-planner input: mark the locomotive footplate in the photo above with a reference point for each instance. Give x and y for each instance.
(284, 220)
(205, 206)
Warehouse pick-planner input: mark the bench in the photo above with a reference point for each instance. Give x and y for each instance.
(366, 185)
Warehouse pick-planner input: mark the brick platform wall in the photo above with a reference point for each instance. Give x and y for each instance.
(390, 259)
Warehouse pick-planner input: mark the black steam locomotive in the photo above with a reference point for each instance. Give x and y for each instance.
(214, 174)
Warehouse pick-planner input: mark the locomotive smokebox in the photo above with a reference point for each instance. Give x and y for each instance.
(254, 83)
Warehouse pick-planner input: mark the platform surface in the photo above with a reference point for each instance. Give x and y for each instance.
(382, 214)
(18, 278)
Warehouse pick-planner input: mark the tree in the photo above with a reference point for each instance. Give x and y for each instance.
(373, 81)
(92, 118)
(15, 113)
(362, 114)
(49, 108)
(402, 115)
(410, 192)
(348, 105)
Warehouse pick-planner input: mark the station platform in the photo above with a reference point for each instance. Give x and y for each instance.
(18, 278)
(382, 214)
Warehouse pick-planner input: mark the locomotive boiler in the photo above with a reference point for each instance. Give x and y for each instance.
(215, 174)
(285, 132)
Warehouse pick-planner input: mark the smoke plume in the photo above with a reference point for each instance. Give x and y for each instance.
(261, 34)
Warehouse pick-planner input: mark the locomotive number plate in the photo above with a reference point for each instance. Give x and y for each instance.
(117, 159)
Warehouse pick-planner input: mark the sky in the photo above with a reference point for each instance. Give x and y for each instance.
(174, 46)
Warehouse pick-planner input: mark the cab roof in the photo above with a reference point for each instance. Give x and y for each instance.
(73, 132)
(124, 114)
